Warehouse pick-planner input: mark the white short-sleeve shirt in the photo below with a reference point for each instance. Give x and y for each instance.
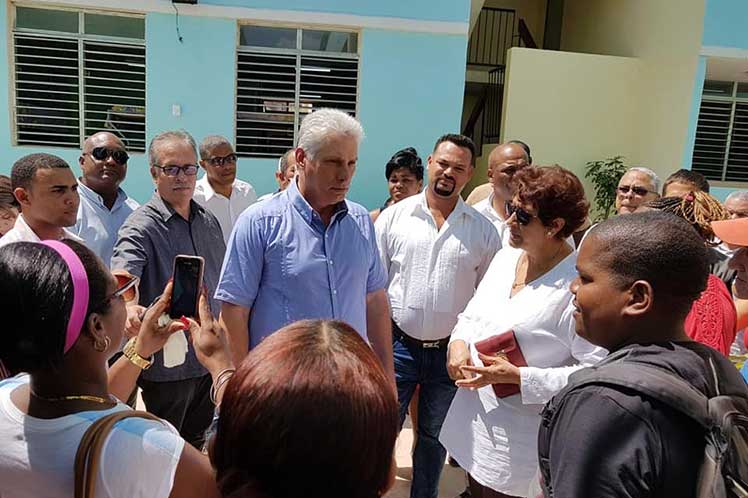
(37, 456)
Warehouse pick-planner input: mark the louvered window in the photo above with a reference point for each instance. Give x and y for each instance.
(76, 73)
(721, 148)
(284, 74)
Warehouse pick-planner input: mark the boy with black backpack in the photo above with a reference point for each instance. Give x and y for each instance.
(662, 416)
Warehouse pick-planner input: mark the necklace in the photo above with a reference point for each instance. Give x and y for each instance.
(540, 273)
(78, 397)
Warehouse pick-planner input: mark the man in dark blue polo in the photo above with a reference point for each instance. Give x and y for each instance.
(169, 224)
(307, 252)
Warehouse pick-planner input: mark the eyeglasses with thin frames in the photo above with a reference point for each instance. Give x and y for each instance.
(220, 161)
(171, 170)
(126, 288)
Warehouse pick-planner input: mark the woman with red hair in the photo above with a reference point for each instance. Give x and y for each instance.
(310, 412)
(514, 346)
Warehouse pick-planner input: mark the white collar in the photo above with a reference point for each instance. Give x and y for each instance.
(28, 235)
(208, 190)
(461, 208)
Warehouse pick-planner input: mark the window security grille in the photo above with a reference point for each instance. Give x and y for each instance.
(70, 84)
(279, 82)
(721, 148)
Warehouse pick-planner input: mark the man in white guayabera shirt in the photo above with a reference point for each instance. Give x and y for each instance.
(435, 249)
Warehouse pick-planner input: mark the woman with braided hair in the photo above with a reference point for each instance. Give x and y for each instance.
(712, 319)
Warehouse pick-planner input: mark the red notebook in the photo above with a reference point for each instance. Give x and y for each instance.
(503, 345)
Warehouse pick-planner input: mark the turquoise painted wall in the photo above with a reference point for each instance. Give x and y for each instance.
(724, 26)
(725, 23)
(411, 91)
(432, 10)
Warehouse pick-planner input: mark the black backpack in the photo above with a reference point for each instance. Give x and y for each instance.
(724, 469)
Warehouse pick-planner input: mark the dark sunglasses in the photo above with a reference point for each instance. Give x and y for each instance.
(523, 217)
(220, 161)
(640, 191)
(102, 154)
(187, 169)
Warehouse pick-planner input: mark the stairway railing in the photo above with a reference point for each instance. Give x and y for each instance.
(484, 124)
(492, 36)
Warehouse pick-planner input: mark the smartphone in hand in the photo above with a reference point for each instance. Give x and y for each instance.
(188, 282)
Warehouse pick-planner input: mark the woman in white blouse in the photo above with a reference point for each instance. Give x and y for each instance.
(526, 290)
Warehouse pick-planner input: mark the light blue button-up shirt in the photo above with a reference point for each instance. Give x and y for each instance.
(284, 264)
(97, 225)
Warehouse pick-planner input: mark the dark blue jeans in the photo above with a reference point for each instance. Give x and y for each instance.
(428, 368)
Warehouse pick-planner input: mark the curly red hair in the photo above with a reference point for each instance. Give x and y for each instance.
(555, 192)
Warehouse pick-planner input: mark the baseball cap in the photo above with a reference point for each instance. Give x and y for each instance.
(733, 232)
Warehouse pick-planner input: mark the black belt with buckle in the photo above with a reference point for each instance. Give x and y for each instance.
(437, 344)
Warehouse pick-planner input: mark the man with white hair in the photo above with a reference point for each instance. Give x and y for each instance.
(308, 252)
(637, 186)
(737, 204)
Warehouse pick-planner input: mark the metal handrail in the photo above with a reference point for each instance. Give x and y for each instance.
(525, 36)
(492, 36)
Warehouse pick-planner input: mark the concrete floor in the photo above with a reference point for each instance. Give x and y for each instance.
(452, 482)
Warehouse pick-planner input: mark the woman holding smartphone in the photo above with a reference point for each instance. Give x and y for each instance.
(525, 304)
(64, 317)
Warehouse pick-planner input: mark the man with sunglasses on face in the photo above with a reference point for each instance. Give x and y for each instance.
(171, 223)
(219, 191)
(104, 205)
(636, 187)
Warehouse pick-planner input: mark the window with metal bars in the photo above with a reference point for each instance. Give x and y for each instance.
(284, 74)
(721, 148)
(77, 73)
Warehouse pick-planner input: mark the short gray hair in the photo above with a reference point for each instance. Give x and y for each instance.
(738, 195)
(651, 174)
(210, 142)
(168, 136)
(283, 161)
(319, 125)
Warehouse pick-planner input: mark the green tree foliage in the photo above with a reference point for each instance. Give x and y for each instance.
(604, 176)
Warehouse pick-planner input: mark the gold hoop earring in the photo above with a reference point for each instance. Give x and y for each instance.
(107, 342)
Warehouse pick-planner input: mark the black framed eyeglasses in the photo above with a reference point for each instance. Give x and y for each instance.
(103, 153)
(220, 161)
(171, 170)
(523, 217)
(640, 191)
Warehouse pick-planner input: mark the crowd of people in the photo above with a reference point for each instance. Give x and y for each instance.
(321, 324)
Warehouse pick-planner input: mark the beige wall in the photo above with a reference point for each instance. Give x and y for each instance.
(573, 108)
(532, 11)
(666, 36)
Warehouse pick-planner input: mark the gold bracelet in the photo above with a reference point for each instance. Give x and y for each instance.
(129, 352)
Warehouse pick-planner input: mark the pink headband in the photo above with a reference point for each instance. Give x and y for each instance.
(80, 291)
